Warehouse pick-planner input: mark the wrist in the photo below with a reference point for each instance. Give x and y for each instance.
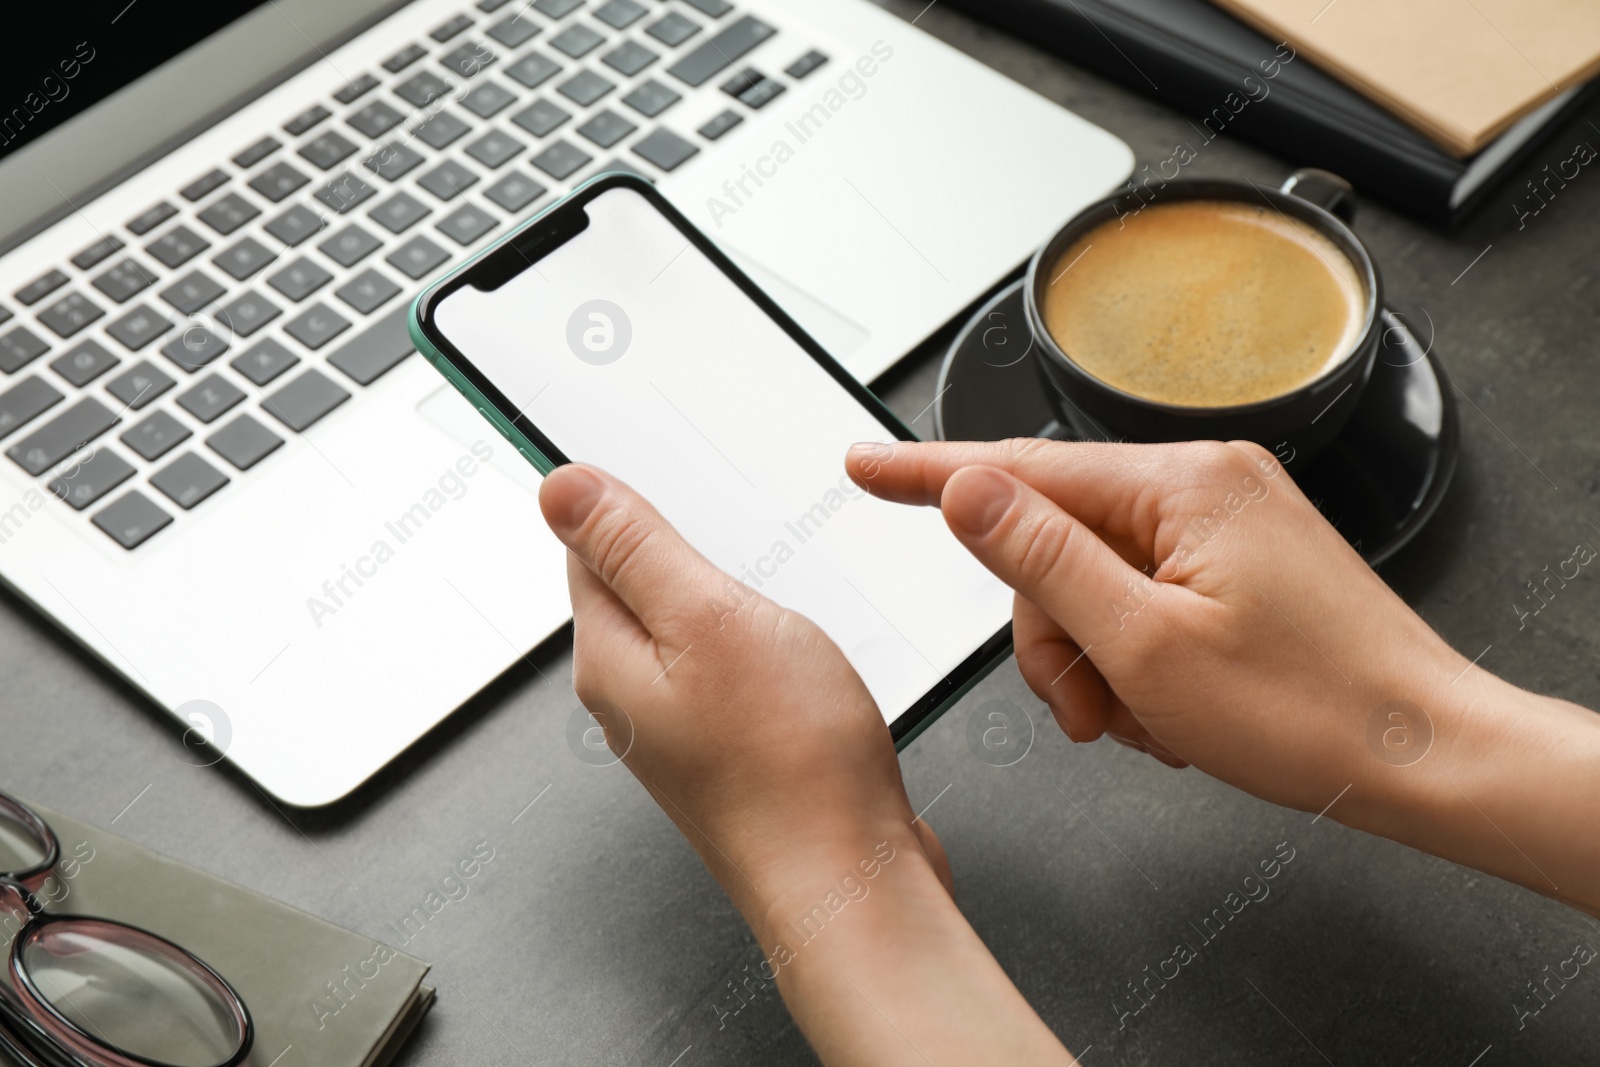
(1505, 780)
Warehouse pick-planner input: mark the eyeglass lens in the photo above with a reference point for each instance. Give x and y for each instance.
(131, 992)
(20, 848)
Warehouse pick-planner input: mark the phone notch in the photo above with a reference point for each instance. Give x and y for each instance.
(526, 247)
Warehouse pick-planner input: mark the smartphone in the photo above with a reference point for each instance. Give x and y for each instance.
(609, 330)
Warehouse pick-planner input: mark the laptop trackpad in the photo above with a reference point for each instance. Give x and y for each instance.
(452, 413)
(835, 333)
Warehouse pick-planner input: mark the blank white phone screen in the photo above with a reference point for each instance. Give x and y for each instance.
(630, 350)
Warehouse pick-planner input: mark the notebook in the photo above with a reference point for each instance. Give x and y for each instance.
(317, 993)
(1197, 58)
(1461, 71)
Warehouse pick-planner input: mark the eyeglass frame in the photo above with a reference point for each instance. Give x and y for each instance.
(25, 1012)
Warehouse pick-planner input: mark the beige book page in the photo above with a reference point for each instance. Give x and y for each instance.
(1461, 71)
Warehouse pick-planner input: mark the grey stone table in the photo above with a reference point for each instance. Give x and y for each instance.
(596, 936)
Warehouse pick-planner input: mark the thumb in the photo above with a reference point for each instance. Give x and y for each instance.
(1048, 556)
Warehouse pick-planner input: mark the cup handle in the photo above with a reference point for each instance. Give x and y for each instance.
(1324, 189)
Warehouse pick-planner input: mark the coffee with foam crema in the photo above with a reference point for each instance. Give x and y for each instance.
(1205, 303)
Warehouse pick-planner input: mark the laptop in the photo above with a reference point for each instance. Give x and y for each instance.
(226, 472)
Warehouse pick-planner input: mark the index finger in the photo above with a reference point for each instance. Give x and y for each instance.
(1100, 481)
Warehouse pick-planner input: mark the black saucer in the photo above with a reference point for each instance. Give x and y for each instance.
(1378, 483)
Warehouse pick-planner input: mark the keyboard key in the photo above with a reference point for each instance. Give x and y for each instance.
(299, 279)
(629, 58)
(346, 192)
(673, 30)
(62, 436)
(278, 181)
(393, 161)
(620, 14)
(26, 401)
(132, 520)
(83, 363)
(665, 149)
(138, 328)
(72, 313)
(495, 149)
(40, 288)
(244, 442)
(622, 166)
(607, 128)
(515, 191)
(373, 352)
(264, 361)
(206, 184)
(5, 314)
(417, 258)
(487, 100)
(469, 59)
(466, 224)
(192, 292)
(721, 51)
(367, 291)
(139, 384)
(399, 213)
(244, 258)
(356, 89)
(246, 314)
(155, 435)
(139, 225)
(533, 70)
(256, 153)
(754, 89)
(188, 480)
(422, 89)
(108, 247)
(296, 225)
(561, 160)
(306, 120)
(194, 348)
(228, 213)
(487, 6)
(102, 471)
(404, 58)
(651, 98)
(350, 246)
(122, 282)
(305, 400)
(715, 8)
(177, 246)
(721, 124)
(556, 9)
(451, 29)
(514, 30)
(374, 120)
(19, 348)
(210, 398)
(441, 131)
(448, 180)
(585, 87)
(327, 149)
(541, 117)
(805, 64)
(576, 41)
(316, 326)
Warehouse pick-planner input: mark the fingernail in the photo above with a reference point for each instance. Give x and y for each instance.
(870, 450)
(986, 495)
(581, 495)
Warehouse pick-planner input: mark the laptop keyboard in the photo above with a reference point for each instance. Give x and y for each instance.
(264, 295)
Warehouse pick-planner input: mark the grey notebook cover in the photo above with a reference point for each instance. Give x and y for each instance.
(320, 995)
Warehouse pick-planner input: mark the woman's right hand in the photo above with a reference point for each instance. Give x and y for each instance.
(1190, 601)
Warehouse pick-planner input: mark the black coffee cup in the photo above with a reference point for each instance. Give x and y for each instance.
(1295, 425)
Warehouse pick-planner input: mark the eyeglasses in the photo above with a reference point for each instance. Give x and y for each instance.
(86, 992)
